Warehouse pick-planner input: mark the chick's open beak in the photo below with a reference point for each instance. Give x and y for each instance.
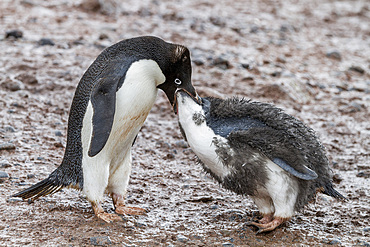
(195, 97)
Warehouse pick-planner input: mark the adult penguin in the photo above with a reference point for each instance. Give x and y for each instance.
(256, 149)
(111, 103)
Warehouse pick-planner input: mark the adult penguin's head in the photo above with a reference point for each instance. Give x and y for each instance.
(176, 67)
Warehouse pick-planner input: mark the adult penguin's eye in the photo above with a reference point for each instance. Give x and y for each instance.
(177, 81)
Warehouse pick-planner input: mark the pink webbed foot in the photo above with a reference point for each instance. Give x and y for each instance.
(267, 218)
(121, 208)
(107, 217)
(269, 225)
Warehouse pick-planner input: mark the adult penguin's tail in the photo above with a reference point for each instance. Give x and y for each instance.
(54, 183)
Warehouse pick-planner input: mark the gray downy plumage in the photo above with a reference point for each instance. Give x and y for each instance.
(256, 132)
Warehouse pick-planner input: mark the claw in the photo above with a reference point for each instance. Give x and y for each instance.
(270, 226)
(267, 218)
(109, 218)
(121, 208)
(130, 210)
(99, 212)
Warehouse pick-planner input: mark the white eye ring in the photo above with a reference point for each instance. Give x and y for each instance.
(177, 81)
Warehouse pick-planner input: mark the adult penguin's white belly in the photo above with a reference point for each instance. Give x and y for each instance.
(133, 103)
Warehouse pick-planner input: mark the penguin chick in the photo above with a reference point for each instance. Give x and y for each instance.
(256, 149)
(111, 103)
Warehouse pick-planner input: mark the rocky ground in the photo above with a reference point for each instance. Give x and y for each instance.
(310, 58)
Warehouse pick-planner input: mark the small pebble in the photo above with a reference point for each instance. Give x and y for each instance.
(334, 55)
(5, 165)
(100, 241)
(334, 242)
(198, 61)
(58, 133)
(27, 78)
(170, 156)
(4, 174)
(16, 34)
(182, 144)
(103, 36)
(182, 238)
(357, 69)
(281, 59)
(337, 178)
(45, 41)
(40, 158)
(12, 85)
(363, 174)
(217, 21)
(58, 144)
(362, 243)
(7, 146)
(30, 176)
(14, 199)
(197, 237)
(227, 244)
(367, 229)
(9, 129)
(222, 63)
(140, 224)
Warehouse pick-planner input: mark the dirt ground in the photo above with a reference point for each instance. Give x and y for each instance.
(311, 58)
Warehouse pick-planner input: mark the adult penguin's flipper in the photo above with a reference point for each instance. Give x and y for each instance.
(103, 99)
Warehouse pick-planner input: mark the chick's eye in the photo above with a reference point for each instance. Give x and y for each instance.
(177, 81)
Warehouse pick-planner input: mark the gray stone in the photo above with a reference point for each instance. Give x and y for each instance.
(357, 69)
(363, 174)
(334, 55)
(182, 144)
(227, 244)
(4, 174)
(45, 41)
(12, 85)
(14, 199)
(27, 78)
(58, 133)
(334, 242)
(5, 164)
(9, 129)
(140, 224)
(221, 62)
(362, 243)
(182, 238)
(15, 34)
(100, 241)
(7, 146)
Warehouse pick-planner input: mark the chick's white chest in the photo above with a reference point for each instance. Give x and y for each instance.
(200, 137)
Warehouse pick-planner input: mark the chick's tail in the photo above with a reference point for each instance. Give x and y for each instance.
(330, 191)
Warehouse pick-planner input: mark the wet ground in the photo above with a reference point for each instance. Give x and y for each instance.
(309, 57)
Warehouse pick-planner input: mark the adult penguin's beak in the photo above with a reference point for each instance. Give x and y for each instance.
(194, 95)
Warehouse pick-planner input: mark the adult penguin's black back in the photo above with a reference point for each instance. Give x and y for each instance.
(151, 59)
